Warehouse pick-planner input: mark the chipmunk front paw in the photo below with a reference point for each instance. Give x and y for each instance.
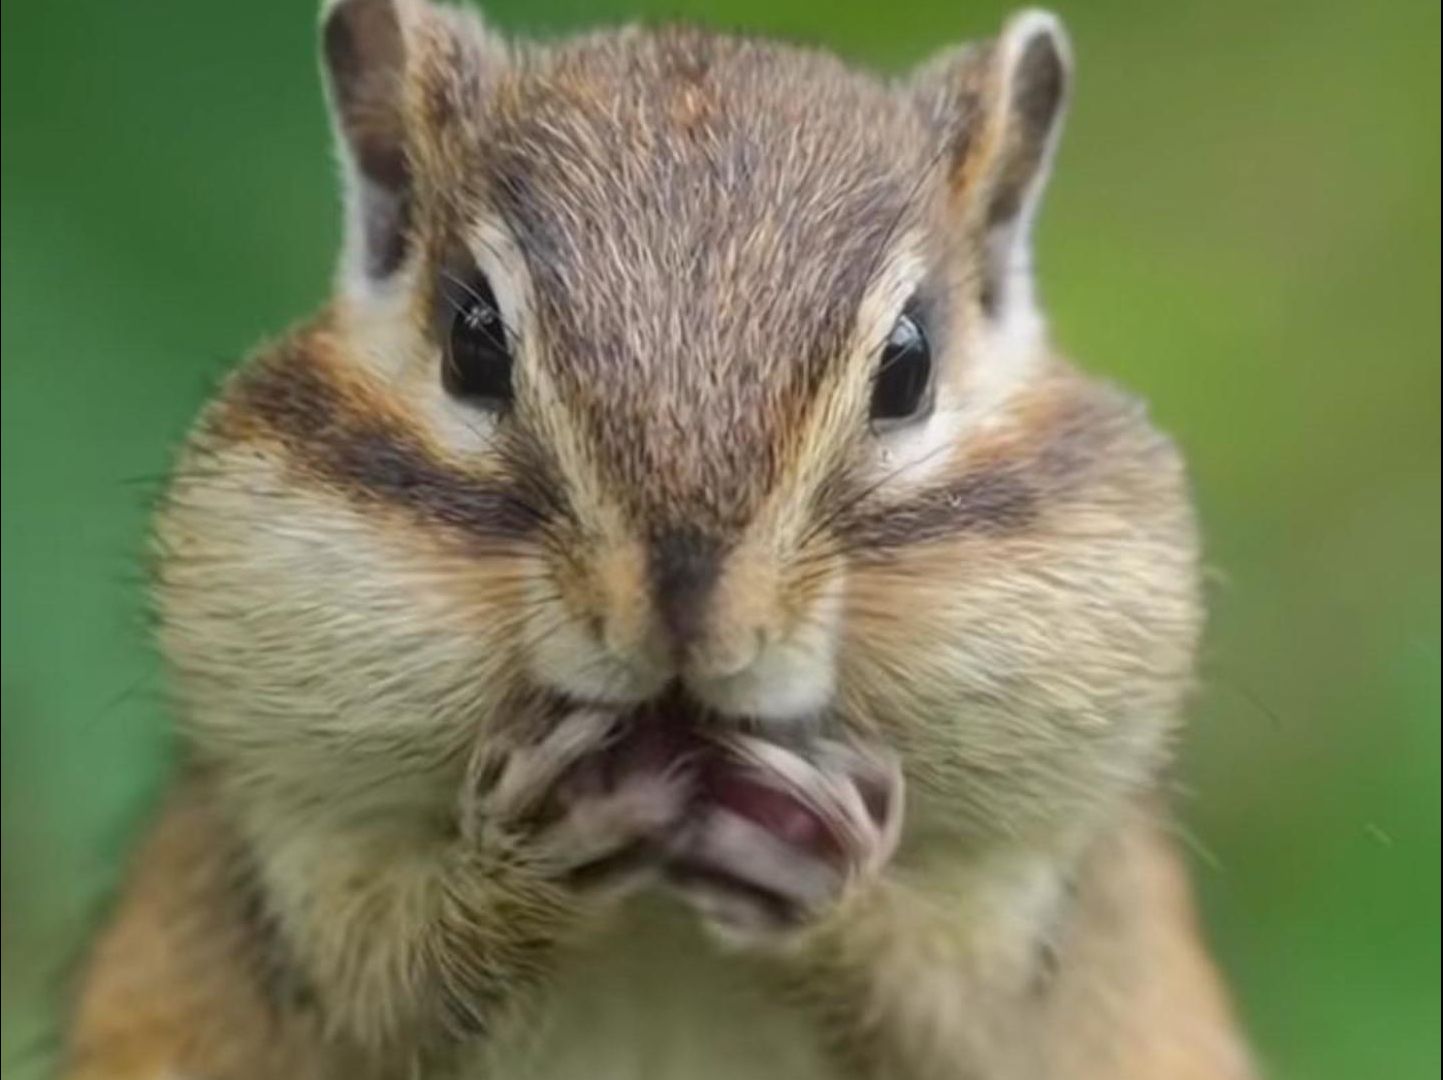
(779, 834)
(589, 804)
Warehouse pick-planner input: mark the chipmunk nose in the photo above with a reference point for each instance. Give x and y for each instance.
(684, 567)
(703, 637)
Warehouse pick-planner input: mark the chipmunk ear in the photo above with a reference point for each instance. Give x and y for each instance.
(364, 50)
(401, 75)
(1002, 104)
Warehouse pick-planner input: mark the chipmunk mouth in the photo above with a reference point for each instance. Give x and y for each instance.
(678, 708)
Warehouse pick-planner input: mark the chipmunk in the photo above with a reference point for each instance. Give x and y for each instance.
(673, 613)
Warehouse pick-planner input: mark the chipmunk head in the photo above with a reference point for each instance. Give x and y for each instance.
(661, 358)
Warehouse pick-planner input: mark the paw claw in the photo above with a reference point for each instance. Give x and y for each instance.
(530, 772)
(573, 802)
(788, 831)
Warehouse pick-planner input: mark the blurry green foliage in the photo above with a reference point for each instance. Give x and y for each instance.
(1244, 226)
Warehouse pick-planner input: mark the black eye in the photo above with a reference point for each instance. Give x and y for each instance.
(902, 388)
(478, 362)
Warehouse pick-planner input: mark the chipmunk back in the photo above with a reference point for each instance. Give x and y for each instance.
(673, 613)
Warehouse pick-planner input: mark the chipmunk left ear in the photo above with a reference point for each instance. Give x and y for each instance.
(364, 51)
(1001, 104)
(404, 78)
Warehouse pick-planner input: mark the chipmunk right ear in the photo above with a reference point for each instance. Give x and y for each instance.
(1001, 105)
(364, 50)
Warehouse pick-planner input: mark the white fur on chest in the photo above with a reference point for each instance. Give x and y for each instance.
(653, 998)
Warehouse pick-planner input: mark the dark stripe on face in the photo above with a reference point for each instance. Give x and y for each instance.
(1066, 446)
(343, 441)
(990, 501)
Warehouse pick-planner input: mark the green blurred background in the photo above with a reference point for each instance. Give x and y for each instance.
(1244, 226)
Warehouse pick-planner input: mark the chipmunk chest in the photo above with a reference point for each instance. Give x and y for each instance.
(653, 997)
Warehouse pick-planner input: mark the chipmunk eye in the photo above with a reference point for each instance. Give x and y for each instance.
(478, 361)
(902, 388)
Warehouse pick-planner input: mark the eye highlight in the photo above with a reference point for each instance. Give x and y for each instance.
(902, 387)
(477, 366)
